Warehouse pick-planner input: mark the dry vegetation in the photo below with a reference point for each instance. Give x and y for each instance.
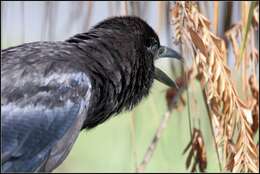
(197, 150)
(234, 120)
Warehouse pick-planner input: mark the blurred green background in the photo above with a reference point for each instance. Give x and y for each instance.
(119, 144)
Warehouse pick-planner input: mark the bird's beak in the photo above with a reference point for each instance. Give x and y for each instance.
(165, 52)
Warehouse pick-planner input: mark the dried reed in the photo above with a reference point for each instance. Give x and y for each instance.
(231, 117)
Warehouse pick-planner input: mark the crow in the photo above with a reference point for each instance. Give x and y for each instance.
(50, 91)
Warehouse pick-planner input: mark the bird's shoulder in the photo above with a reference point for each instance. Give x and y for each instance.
(36, 119)
(50, 67)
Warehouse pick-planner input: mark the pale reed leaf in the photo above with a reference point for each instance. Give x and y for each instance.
(202, 58)
(206, 77)
(225, 96)
(240, 141)
(221, 85)
(217, 41)
(229, 131)
(238, 156)
(253, 168)
(252, 147)
(204, 21)
(237, 168)
(211, 58)
(198, 42)
(175, 11)
(210, 93)
(235, 46)
(231, 100)
(217, 71)
(197, 58)
(250, 163)
(196, 21)
(227, 70)
(248, 115)
(240, 102)
(256, 17)
(226, 106)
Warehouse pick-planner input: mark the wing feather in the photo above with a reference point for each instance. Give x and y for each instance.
(40, 111)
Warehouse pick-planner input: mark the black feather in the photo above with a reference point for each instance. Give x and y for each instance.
(121, 68)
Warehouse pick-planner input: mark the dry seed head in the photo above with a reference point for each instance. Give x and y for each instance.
(228, 111)
(211, 58)
(221, 85)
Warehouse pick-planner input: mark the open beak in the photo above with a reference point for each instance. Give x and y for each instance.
(165, 52)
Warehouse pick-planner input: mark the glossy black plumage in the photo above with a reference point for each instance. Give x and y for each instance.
(52, 90)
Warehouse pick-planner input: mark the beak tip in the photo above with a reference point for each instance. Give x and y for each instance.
(163, 78)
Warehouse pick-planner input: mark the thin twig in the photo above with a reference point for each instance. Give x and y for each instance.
(133, 138)
(212, 130)
(215, 24)
(211, 126)
(188, 100)
(154, 142)
(246, 29)
(88, 16)
(22, 22)
(126, 8)
(161, 17)
(188, 107)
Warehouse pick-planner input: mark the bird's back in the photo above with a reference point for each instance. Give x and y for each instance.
(45, 96)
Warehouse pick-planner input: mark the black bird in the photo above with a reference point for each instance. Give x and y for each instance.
(50, 91)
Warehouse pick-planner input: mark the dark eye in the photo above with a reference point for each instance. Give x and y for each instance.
(160, 51)
(152, 44)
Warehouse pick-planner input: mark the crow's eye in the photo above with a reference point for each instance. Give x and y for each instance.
(152, 44)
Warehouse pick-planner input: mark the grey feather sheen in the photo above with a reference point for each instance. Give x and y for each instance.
(112, 54)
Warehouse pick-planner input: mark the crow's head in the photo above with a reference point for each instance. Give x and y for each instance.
(139, 47)
(146, 41)
(123, 52)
